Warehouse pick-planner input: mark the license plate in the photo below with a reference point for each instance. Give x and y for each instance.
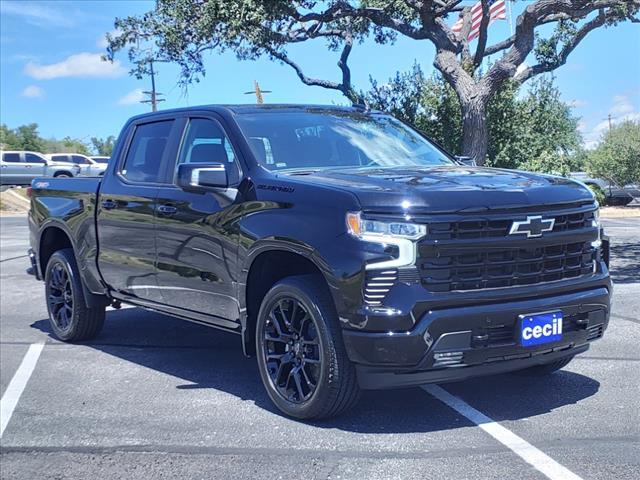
(539, 328)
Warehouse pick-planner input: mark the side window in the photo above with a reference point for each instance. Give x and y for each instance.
(11, 157)
(79, 160)
(60, 158)
(206, 142)
(31, 158)
(144, 158)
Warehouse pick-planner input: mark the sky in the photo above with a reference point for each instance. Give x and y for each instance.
(51, 71)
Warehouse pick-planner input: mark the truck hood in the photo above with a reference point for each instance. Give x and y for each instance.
(450, 188)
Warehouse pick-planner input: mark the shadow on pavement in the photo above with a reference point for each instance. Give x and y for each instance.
(624, 263)
(206, 358)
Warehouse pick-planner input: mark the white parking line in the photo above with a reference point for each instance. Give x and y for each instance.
(18, 382)
(530, 454)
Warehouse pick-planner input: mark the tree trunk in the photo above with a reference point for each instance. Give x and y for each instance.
(475, 132)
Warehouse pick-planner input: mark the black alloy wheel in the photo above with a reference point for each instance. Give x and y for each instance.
(60, 296)
(301, 356)
(70, 317)
(292, 350)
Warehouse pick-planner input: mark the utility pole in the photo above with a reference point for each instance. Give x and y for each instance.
(610, 119)
(153, 100)
(257, 91)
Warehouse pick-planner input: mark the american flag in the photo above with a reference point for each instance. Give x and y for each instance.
(497, 11)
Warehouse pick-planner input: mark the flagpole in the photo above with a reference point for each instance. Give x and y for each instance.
(509, 16)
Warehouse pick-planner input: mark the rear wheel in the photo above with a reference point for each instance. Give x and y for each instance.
(546, 369)
(70, 318)
(301, 356)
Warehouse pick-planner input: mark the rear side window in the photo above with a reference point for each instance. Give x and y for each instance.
(60, 158)
(31, 158)
(144, 158)
(206, 142)
(11, 157)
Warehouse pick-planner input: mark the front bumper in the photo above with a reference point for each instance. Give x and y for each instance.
(456, 343)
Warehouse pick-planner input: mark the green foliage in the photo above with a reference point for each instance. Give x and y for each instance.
(26, 137)
(103, 146)
(534, 131)
(598, 192)
(617, 158)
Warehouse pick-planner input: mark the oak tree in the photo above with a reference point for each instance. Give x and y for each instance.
(182, 30)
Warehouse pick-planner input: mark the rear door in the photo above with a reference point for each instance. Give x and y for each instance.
(197, 237)
(85, 165)
(11, 168)
(126, 208)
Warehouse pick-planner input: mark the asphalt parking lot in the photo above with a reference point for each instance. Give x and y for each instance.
(156, 397)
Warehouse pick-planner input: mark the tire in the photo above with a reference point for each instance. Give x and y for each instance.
(546, 369)
(69, 317)
(326, 383)
(62, 175)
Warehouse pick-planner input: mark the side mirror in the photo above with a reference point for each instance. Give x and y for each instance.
(468, 161)
(202, 176)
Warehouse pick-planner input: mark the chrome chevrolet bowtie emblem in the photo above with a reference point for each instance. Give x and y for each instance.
(533, 226)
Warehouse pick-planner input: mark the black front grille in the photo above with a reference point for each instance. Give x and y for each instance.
(508, 334)
(496, 228)
(504, 267)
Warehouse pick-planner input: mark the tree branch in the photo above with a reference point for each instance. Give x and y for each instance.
(561, 59)
(534, 15)
(482, 40)
(344, 87)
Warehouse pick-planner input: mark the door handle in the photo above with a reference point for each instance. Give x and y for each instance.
(109, 204)
(27, 166)
(166, 210)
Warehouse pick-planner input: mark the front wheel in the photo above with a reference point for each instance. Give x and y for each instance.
(70, 318)
(301, 356)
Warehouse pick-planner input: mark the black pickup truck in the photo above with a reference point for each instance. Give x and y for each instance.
(347, 250)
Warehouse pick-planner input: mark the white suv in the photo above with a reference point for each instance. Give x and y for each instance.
(20, 167)
(88, 166)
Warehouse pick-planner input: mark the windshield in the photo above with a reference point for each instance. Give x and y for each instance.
(310, 141)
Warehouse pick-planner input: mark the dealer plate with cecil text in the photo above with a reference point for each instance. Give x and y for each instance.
(539, 328)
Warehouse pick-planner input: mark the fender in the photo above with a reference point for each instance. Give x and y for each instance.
(87, 279)
(279, 244)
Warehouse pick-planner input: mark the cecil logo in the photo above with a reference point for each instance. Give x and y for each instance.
(541, 328)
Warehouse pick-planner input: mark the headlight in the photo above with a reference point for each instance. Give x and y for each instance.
(360, 228)
(596, 223)
(401, 234)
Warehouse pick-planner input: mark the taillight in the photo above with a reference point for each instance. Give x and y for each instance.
(29, 192)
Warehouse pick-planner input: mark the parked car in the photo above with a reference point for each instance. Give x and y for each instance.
(21, 167)
(345, 249)
(88, 166)
(613, 193)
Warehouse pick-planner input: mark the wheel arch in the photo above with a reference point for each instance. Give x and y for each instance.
(268, 263)
(54, 236)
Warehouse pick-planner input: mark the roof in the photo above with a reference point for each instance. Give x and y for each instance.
(240, 109)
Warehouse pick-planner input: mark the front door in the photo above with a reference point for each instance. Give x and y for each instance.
(126, 210)
(196, 240)
(34, 165)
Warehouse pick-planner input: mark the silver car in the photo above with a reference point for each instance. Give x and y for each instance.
(88, 166)
(20, 167)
